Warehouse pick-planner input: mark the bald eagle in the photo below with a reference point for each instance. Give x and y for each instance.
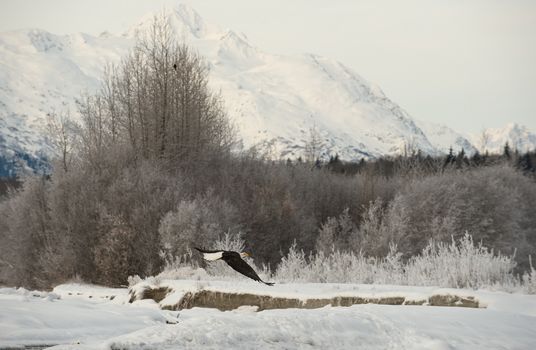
(234, 260)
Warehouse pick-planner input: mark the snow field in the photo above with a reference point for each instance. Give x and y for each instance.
(87, 317)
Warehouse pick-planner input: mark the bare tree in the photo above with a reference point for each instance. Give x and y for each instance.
(63, 135)
(314, 145)
(484, 140)
(157, 102)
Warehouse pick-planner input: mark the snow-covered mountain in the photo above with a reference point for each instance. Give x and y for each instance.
(493, 140)
(41, 73)
(443, 138)
(273, 99)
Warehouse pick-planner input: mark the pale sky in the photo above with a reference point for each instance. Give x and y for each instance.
(468, 64)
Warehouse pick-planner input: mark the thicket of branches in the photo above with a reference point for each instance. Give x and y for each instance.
(153, 173)
(156, 105)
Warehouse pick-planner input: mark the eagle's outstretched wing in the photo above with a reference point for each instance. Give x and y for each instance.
(238, 264)
(210, 255)
(234, 260)
(207, 251)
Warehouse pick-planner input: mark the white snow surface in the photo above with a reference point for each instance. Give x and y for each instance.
(76, 316)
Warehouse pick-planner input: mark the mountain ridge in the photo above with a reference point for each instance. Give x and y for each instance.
(273, 99)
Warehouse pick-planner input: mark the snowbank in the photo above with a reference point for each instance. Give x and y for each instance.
(72, 313)
(229, 295)
(92, 317)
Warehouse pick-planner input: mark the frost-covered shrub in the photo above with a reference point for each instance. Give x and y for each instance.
(23, 230)
(372, 237)
(115, 255)
(229, 241)
(529, 279)
(56, 260)
(369, 238)
(460, 264)
(197, 222)
(184, 273)
(495, 204)
(294, 266)
(338, 267)
(133, 280)
(377, 231)
(336, 233)
(185, 227)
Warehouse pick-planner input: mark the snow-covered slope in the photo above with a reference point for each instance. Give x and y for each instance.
(41, 73)
(518, 137)
(273, 99)
(443, 138)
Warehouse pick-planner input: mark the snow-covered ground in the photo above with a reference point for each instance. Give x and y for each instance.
(90, 317)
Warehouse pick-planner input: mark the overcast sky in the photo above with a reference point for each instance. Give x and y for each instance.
(469, 64)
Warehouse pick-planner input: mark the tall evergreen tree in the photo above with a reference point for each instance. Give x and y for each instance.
(450, 158)
(507, 151)
(461, 159)
(476, 159)
(525, 163)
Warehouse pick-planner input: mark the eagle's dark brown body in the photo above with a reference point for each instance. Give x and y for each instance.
(234, 260)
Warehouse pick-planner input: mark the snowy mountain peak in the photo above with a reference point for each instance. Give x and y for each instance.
(515, 128)
(30, 41)
(517, 136)
(189, 17)
(44, 41)
(444, 138)
(183, 20)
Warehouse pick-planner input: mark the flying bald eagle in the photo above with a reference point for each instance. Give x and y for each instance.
(234, 260)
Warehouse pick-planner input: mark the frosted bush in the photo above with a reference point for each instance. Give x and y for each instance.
(460, 264)
(293, 267)
(190, 224)
(495, 204)
(196, 222)
(133, 280)
(529, 279)
(336, 232)
(181, 267)
(184, 273)
(228, 241)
